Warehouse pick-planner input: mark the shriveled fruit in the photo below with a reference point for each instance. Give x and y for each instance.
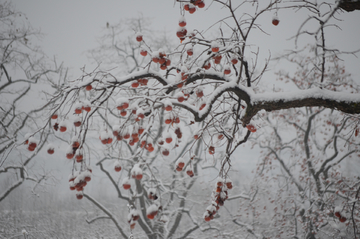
(211, 150)
(229, 185)
(199, 93)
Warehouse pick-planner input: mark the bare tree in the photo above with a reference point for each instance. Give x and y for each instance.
(305, 162)
(24, 73)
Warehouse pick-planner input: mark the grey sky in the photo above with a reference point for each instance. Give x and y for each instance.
(71, 27)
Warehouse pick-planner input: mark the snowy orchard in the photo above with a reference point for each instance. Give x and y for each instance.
(202, 92)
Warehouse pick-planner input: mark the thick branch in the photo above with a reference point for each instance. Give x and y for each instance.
(349, 5)
(347, 103)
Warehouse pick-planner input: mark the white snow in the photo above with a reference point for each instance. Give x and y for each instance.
(303, 94)
(117, 164)
(33, 140)
(121, 100)
(152, 208)
(125, 181)
(69, 150)
(136, 170)
(63, 124)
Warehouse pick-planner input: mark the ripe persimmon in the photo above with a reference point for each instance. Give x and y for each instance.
(143, 52)
(135, 84)
(139, 37)
(227, 71)
(342, 219)
(88, 87)
(275, 20)
(251, 128)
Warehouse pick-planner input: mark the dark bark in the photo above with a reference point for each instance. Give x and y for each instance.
(349, 5)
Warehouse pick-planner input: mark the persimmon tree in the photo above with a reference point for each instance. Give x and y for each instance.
(210, 85)
(150, 188)
(24, 72)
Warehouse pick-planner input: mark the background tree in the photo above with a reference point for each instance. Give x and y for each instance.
(24, 73)
(210, 86)
(307, 153)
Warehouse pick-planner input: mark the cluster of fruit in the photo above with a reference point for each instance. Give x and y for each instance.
(157, 57)
(151, 211)
(133, 216)
(181, 33)
(160, 58)
(180, 165)
(211, 148)
(31, 142)
(78, 180)
(79, 108)
(191, 7)
(219, 196)
(122, 104)
(73, 150)
(136, 173)
(337, 213)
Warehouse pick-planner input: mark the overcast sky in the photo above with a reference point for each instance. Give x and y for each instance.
(71, 27)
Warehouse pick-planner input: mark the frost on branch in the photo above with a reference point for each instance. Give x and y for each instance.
(201, 99)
